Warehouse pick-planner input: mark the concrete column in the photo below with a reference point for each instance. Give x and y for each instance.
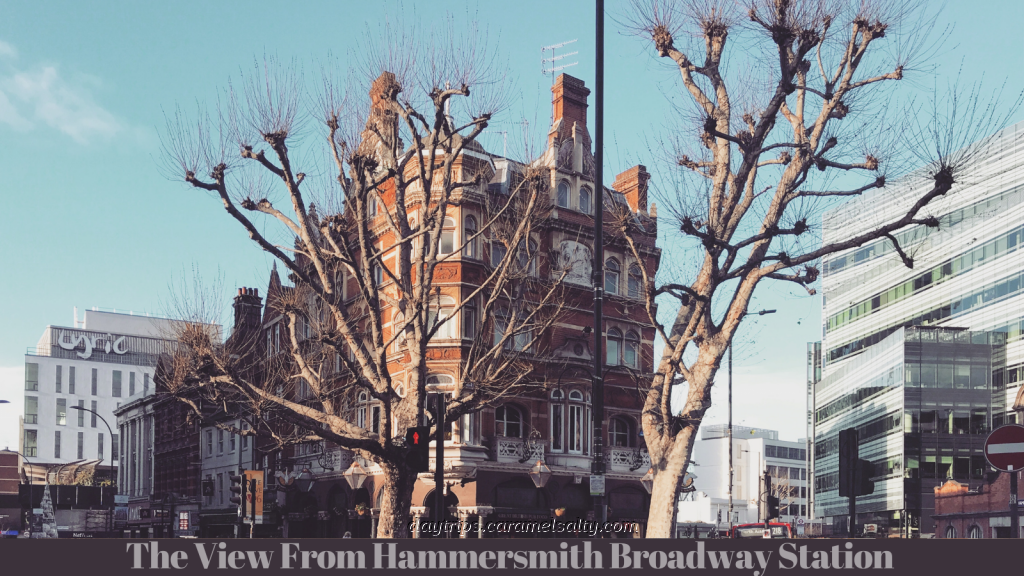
(463, 519)
(482, 512)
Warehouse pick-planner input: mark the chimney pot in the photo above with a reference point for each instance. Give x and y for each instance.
(240, 291)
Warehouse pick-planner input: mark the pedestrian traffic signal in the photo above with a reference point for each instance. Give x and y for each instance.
(864, 485)
(848, 455)
(773, 507)
(251, 499)
(418, 441)
(238, 489)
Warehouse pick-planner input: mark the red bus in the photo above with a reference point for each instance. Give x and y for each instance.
(775, 529)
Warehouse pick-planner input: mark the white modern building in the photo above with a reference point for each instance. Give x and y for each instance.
(756, 451)
(967, 287)
(95, 365)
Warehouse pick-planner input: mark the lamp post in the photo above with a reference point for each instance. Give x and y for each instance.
(28, 476)
(759, 313)
(109, 431)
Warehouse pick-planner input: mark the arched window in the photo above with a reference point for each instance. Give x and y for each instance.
(447, 245)
(974, 531)
(367, 413)
(563, 194)
(378, 274)
(371, 205)
(557, 420)
(631, 351)
(618, 432)
(520, 340)
(569, 422)
(440, 315)
(950, 531)
(585, 204)
(611, 276)
(470, 230)
(508, 422)
(636, 281)
(526, 258)
(576, 432)
(614, 347)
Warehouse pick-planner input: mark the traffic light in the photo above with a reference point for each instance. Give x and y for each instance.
(418, 441)
(864, 485)
(252, 501)
(238, 489)
(848, 455)
(773, 507)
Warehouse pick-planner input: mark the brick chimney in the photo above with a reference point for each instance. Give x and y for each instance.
(569, 101)
(633, 184)
(248, 309)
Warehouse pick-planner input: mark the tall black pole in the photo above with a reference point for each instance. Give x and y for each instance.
(439, 462)
(1014, 510)
(730, 439)
(597, 469)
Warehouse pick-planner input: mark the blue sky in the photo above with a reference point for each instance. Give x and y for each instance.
(90, 220)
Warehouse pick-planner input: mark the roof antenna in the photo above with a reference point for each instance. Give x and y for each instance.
(545, 61)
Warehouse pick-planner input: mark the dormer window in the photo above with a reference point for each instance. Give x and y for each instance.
(563, 194)
(586, 206)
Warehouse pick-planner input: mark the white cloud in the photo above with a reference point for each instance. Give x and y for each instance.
(7, 51)
(29, 97)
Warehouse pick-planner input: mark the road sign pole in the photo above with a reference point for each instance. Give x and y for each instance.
(1004, 450)
(1014, 511)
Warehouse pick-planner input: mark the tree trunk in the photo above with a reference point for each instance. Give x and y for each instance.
(661, 520)
(394, 507)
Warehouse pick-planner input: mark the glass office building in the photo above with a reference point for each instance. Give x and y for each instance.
(967, 276)
(921, 401)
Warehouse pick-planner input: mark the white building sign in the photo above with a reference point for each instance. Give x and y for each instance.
(108, 343)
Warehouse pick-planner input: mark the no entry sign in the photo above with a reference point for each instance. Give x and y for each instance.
(1004, 448)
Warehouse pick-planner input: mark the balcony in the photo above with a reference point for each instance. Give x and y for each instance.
(514, 449)
(628, 460)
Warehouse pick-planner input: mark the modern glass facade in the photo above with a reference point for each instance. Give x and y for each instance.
(922, 402)
(966, 275)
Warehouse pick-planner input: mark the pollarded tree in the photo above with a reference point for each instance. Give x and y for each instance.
(790, 97)
(401, 236)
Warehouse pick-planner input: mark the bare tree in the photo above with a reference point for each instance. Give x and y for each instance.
(789, 110)
(366, 237)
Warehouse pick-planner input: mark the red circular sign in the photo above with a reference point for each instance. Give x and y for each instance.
(1004, 448)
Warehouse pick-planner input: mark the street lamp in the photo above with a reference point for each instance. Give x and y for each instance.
(759, 313)
(95, 475)
(540, 474)
(305, 480)
(109, 431)
(648, 480)
(355, 476)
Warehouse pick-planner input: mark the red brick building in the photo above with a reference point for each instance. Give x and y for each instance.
(983, 512)
(488, 454)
